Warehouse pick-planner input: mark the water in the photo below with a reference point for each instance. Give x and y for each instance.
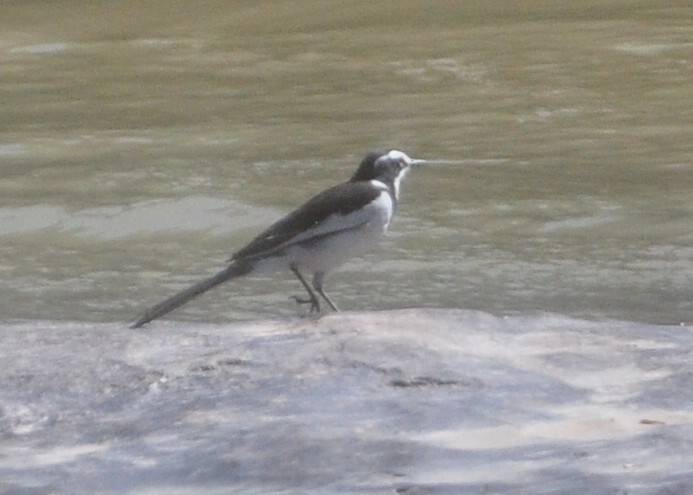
(141, 145)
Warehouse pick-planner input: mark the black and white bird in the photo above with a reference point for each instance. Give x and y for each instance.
(339, 223)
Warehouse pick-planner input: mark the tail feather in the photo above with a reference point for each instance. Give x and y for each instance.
(233, 271)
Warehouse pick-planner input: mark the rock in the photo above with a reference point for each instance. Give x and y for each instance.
(412, 402)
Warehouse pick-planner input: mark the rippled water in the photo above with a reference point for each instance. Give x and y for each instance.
(141, 146)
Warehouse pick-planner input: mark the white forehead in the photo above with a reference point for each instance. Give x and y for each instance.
(398, 155)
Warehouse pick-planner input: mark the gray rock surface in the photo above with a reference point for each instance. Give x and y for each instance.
(409, 402)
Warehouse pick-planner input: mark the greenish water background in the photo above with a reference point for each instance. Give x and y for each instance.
(141, 143)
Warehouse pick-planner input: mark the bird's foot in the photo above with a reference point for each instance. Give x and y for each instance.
(313, 301)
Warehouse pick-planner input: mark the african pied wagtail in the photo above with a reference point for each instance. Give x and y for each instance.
(337, 224)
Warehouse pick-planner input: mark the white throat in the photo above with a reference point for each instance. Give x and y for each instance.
(396, 182)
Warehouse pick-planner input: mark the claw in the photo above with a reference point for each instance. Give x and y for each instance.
(313, 301)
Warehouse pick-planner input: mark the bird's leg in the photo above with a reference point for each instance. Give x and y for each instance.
(317, 285)
(312, 299)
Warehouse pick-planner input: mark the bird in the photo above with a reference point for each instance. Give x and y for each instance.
(334, 226)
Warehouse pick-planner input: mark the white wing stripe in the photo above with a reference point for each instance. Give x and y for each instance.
(380, 207)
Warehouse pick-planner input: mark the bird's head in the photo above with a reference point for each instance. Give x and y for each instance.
(380, 165)
(388, 167)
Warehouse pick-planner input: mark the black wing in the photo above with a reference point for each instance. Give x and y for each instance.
(326, 213)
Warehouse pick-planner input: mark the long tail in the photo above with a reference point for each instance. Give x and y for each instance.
(233, 271)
